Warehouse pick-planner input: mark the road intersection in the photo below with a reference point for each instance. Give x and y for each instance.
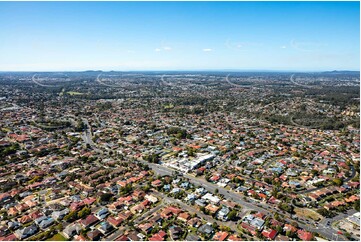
(327, 232)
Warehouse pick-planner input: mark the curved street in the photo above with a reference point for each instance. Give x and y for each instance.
(327, 232)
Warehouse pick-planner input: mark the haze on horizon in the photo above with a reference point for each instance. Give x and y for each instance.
(72, 36)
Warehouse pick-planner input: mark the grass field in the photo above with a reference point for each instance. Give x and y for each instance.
(57, 237)
(75, 93)
(169, 106)
(6, 130)
(308, 213)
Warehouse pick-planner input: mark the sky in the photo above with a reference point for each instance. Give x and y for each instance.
(274, 36)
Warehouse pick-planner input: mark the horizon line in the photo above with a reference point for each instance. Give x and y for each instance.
(186, 70)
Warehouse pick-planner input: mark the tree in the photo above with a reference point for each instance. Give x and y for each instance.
(268, 180)
(153, 158)
(279, 229)
(286, 207)
(105, 197)
(324, 212)
(347, 235)
(314, 172)
(191, 151)
(357, 205)
(202, 209)
(59, 227)
(337, 181)
(225, 228)
(84, 212)
(232, 215)
(215, 225)
(146, 188)
(71, 216)
(290, 234)
(177, 132)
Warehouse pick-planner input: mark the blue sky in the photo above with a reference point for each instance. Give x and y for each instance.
(58, 36)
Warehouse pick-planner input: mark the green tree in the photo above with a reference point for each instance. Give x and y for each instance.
(84, 212)
(72, 216)
(105, 197)
(337, 181)
(357, 205)
(215, 225)
(232, 215)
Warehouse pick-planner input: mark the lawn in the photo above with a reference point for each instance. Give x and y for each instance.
(308, 213)
(75, 93)
(57, 237)
(170, 106)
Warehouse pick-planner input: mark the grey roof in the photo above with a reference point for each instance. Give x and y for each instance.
(13, 225)
(26, 232)
(200, 202)
(38, 220)
(192, 237)
(224, 211)
(46, 223)
(72, 229)
(206, 229)
(60, 214)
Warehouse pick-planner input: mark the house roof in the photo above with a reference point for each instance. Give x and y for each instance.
(304, 235)
(115, 221)
(220, 236)
(89, 220)
(269, 233)
(184, 216)
(234, 237)
(122, 238)
(94, 234)
(158, 236)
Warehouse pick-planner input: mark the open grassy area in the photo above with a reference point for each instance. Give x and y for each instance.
(308, 213)
(6, 130)
(169, 106)
(57, 237)
(75, 93)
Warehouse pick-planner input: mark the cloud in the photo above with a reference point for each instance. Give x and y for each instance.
(207, 50)
(163, 48)
(306, 46)
(241, 46)
(283, 47)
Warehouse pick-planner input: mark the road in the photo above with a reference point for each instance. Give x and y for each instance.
(328, 228)
(302, 85)
(40, 84)
(353, 173)
(115, 235)
(155, 209)
(233, 84)
(14, 107)
(328, 233)
(105, 84)
(191, 209)
(164, 82)
(88, 137)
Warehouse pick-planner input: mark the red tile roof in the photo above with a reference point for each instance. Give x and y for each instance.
(269, 233)
(220, 236)
(304, 235)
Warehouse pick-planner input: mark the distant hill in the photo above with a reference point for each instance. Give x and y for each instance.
(343, 72)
